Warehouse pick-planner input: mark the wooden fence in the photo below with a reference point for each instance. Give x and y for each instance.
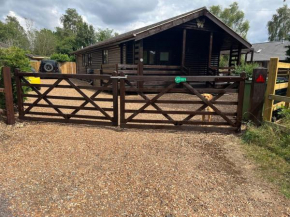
(7, 90)
(66, 68)
(272, 86)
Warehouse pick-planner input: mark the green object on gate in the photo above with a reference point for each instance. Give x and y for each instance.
(179, 79)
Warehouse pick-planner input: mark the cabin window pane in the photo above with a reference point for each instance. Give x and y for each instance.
(90, 59)
(152, 55)
(145, 58)
(105, 56)
(164, 56)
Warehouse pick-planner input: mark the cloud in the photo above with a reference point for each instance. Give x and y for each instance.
(125, 15)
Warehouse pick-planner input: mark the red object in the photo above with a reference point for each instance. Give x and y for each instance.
(260, 79)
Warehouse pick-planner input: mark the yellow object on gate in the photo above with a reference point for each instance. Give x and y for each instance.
(34, 80)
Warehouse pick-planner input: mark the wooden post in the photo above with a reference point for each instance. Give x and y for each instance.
(257, 96)
(122, 102)
(8, 96)
(241, 101)
(252, 56)
(140, 63)
(19, 94)
(287, 104)
(183, 48)
(210, 49)
(268, 106)
(115, 102)
(230, 58)
(239, 56)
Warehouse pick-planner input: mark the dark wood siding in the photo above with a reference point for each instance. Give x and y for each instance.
(114, 54)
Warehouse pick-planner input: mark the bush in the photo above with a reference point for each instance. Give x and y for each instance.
(14, 58)
(247, 68)
(62, 57)
(270, 147)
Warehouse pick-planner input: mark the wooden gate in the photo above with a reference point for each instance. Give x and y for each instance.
(137, 110)
(79, 103)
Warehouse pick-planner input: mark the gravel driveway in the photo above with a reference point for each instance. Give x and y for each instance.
(49, 169)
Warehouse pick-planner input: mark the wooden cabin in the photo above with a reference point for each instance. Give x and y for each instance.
(188, 44)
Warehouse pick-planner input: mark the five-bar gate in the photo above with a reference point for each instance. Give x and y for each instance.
(178, 105)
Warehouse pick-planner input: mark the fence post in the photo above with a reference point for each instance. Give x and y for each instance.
(8, 96)
(122, 102)
(287, 104)
(241, 101)
(258, 89)
(19, 94)
(268, 106)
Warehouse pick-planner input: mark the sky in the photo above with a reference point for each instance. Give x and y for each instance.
(126, 15)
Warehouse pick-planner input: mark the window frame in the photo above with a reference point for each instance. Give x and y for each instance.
(105, 53)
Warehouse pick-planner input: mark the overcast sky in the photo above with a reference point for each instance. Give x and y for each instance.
(125, 15)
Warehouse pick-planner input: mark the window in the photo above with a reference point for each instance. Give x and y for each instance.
(164, 56)
(90, 59)
(105, 56)
(153, 57)
(84, 60)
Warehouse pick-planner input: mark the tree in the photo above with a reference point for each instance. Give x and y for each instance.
(103, 34)
(45, 42)
(279, 26)
(233, 17)
(13, 34)
(75, 33)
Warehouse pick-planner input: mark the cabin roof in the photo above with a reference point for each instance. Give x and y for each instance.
(164, 25)
(264, 51)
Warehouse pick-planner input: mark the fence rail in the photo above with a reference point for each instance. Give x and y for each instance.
(272, 87)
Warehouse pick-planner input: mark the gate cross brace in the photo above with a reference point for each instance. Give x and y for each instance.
(214, 99)
(152, 103)
(88, 99)
(86, 102)
(43, 96)
(208, 103)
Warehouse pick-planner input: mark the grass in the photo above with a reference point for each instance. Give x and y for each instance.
(270, 148)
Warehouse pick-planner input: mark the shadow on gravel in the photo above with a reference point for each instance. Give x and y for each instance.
(4, 204)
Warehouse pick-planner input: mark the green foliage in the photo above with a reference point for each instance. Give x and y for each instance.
(45, 42)
(233, 17)
(279, 26)
(247, 68)
(61, 57)
(13, 57)
(224, 61)
(104, 34)
(271, 149)
(74, 34)
(13, 34)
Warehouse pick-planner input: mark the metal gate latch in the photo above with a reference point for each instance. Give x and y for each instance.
(119, 77)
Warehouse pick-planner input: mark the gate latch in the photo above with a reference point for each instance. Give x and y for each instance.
(118, 77)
